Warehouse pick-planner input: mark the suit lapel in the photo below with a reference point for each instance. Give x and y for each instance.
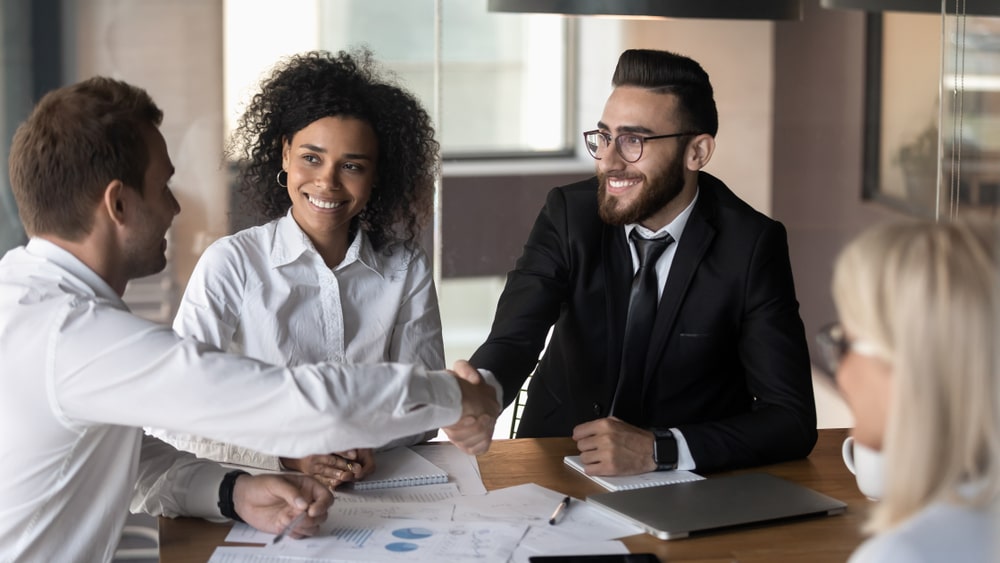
(697, 236)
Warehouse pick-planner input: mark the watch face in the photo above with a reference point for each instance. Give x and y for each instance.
(665, 452)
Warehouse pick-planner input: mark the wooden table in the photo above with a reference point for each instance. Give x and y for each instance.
(513, 462)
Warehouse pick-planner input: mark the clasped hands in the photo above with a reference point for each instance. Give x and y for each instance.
(611, 446)
(334, 469)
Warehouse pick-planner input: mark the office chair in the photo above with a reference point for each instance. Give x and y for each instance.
(139, 542)
(519, 401)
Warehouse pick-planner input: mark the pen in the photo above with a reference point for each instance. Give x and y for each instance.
(291, 526)
(559, 510)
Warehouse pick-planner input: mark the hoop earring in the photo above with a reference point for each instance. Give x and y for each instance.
(277, 179)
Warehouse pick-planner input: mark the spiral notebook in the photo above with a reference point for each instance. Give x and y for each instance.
(651, 479)
(401, 467)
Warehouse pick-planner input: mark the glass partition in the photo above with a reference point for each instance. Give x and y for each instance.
(932, 143)
(970, 116)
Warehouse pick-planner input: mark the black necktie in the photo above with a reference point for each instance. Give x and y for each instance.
(627, 402)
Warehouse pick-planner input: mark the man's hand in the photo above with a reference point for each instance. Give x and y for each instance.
(609, 446)
(269, 502)
(473, 433)
(335, 469)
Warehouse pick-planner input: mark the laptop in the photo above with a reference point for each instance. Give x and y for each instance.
(679, 510)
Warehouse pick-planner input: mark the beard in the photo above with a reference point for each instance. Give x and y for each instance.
(146, 251)
(144, 261)
(655, 195)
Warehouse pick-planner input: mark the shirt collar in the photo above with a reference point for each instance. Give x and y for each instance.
(675, 227)
(291, 242)
(74, 266)
(361, 250)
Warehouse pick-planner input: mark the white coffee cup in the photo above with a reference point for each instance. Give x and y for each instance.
(866, 465)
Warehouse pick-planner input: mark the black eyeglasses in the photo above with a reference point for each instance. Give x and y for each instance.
(834, 344)
(628, 145)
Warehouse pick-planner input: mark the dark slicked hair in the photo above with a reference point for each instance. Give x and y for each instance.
(681, 76)
(310, 86)
(76, 141)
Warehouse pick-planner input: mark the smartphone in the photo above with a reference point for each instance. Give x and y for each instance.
(617, 558)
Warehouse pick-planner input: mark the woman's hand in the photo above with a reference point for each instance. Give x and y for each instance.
(334, 469)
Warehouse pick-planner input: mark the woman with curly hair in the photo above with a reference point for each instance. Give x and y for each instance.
(342, 162)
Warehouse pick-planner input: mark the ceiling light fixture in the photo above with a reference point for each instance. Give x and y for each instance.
(713, 9)
(951, 7)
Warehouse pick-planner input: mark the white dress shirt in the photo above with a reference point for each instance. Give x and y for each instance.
(685, 461)
(266, 292)
(82, 375)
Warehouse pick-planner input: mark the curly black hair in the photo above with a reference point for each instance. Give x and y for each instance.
(310, 86)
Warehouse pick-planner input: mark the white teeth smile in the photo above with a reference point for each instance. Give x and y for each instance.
(621, 183)
(324, 204)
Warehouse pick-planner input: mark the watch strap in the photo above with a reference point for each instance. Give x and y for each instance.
(226, 505)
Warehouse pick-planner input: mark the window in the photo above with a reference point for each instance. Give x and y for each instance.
(29, 67)
(504, 77)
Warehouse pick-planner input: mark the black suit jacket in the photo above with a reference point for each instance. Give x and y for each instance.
(728, 363)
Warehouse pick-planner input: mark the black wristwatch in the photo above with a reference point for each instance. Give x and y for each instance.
(226, 505)
(664, 450)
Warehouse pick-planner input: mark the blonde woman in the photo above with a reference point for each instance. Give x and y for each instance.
(914, 357)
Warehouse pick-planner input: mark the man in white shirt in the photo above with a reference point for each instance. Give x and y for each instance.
(89, 171)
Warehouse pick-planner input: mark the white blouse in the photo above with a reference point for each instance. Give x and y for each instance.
(265, 292)
(940, 532)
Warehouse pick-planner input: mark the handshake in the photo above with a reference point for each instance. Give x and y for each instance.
(473, 432)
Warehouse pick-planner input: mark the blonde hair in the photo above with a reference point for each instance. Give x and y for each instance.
(925, 294)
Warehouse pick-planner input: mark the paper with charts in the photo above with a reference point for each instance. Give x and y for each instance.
(533, 504)
(388, 540)
(398, 524)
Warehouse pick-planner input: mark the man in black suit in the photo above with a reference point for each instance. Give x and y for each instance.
(720, 377)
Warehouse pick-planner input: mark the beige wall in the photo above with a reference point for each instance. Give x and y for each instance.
(739, 59)
(173, 50)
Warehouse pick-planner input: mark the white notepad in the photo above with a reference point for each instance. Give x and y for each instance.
(651, 479)
(401, 467)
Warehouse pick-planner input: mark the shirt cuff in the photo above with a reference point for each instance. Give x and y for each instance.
(442, 398)
(488, 377)
(685, 461)
(202, 498)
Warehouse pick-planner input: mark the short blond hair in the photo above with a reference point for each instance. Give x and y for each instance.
(925, 294)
